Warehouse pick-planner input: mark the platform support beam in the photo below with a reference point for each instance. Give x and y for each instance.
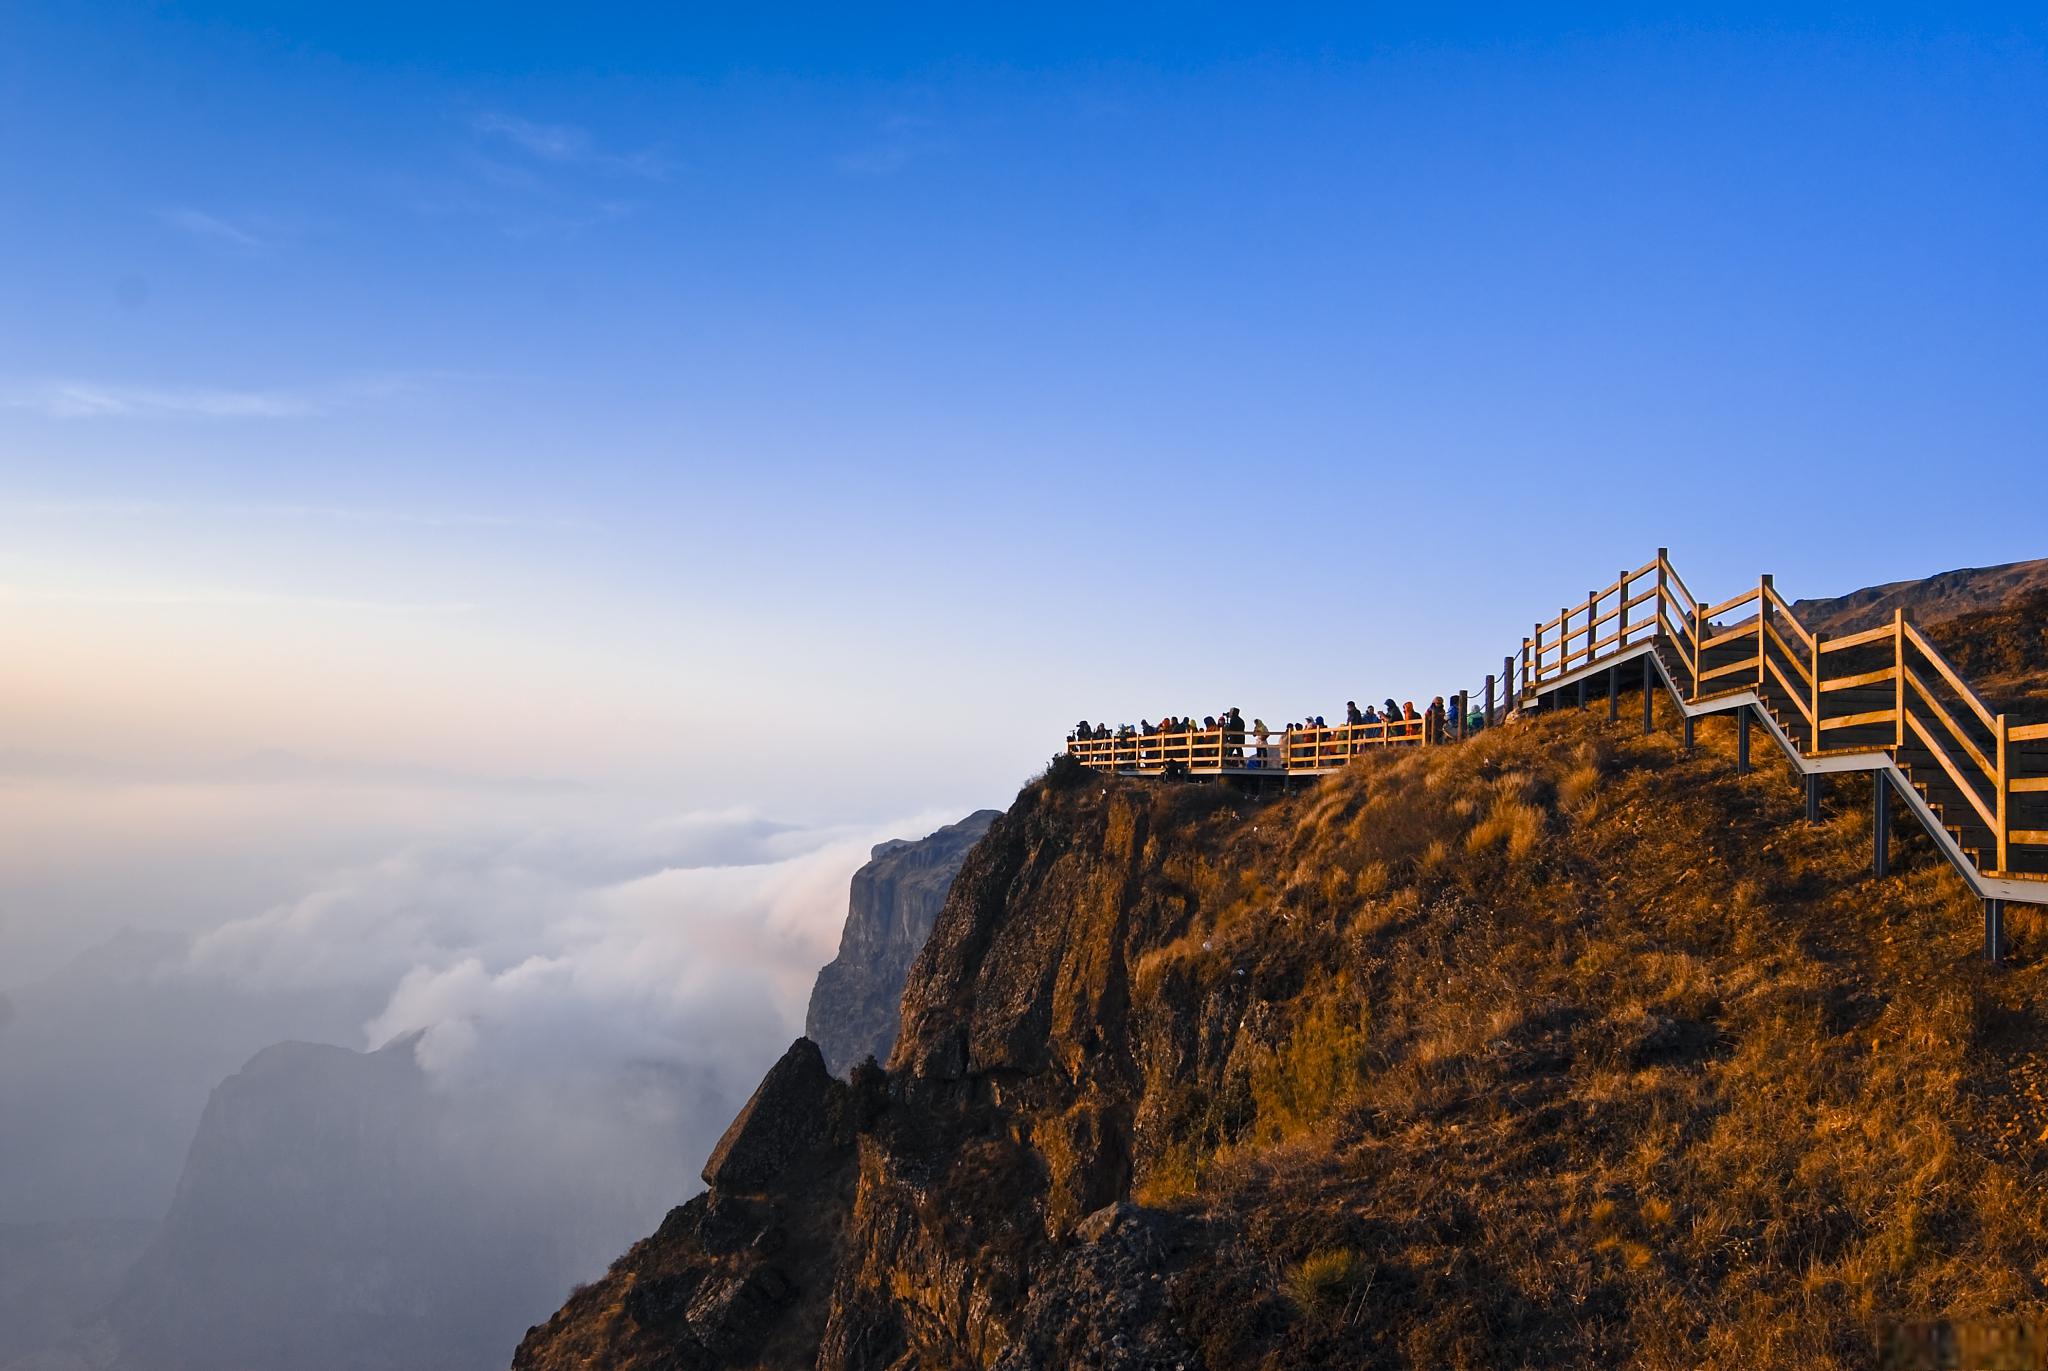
(1613, 693)
(1742, 742)
(1880, 825)
(1649, 699)
(1813, 798)
(1994, 931)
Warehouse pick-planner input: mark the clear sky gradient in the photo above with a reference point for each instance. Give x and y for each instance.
(819, 411)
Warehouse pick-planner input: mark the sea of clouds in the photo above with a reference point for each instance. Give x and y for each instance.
(617, 987)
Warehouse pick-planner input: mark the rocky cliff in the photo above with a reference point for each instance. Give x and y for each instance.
(890, 910)
(1562, 1047)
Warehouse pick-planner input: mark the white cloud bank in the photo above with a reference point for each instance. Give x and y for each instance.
(689, 945)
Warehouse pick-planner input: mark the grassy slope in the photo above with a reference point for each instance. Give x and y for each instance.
(2003, 652)
(1587, 1053)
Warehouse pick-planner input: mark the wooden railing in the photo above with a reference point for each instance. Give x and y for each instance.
(1883, 689)
(1306, 748)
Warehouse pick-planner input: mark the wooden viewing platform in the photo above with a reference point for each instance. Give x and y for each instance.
(1294, 751)
(1883, 701)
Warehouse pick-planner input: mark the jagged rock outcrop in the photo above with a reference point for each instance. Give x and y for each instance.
(742, 1274)
(793, 1117)
(890, 910)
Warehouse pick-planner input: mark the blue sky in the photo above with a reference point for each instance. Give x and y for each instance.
(689, 406)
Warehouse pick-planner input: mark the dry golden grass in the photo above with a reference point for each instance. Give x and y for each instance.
(1597, 1055)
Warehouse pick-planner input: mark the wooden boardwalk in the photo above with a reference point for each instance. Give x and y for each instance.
(1883, 701)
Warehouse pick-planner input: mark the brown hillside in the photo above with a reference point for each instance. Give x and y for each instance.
(1557, 1048)
(2003, 652)
(1969, 590)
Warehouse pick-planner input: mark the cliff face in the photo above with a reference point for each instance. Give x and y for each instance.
(890, 910)
(1561, 1047)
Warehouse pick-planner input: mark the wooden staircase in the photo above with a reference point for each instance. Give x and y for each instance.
(1882, 700)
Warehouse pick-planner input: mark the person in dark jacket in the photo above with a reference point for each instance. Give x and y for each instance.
(1433, 721)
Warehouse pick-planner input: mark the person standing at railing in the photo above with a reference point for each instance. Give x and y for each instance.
(1433, 721)
(1263, 757)
(1233, 736)
(1351, 714)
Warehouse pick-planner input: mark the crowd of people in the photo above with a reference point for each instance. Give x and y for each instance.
(1389, 721)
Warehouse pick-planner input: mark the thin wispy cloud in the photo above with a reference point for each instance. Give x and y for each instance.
(77, 399)
(91, 400)
(228, 599)
(565, 145)
(550, 142)
(266, 767)
(341, 514)
(211, 228)
(899, 140)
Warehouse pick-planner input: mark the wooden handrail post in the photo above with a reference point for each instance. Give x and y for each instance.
(2004, 780)
(1699, 634)
(1592, 618)
(1763, 618)
(1532, 660)
(1817, 635)
(1663, 589)
(1899, 680)
(1507, 681)
(1489, 699)
(1621, 613)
